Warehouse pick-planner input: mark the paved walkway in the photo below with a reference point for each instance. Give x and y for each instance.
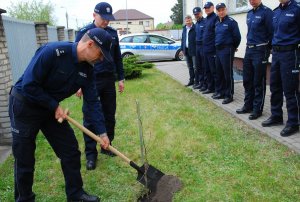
(179, 72)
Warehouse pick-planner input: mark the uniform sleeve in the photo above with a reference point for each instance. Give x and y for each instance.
(92, 109)
(118, 60)
(269, 25)
(236, 34)
(35, 75)
(79, 36)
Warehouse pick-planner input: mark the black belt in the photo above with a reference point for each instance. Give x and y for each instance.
(220, 47)
(286, 48)
(13, 92)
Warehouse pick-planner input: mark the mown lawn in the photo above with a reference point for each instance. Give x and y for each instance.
(217, 157)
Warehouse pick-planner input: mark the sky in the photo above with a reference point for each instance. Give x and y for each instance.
(80, 11)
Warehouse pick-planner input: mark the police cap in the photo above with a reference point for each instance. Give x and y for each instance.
(208, 4)
(220, 5)
(196, 10)
(104, 10)
(103, 39)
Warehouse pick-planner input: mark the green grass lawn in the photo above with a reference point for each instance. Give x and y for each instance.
(216, 156)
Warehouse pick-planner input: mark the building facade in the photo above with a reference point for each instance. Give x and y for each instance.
(132, 21)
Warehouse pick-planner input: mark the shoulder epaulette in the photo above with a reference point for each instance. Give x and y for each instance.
(60, 52)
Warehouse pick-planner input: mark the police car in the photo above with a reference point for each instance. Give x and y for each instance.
(150, 47)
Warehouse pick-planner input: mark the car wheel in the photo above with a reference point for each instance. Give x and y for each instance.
(126, 55)
(179, 55)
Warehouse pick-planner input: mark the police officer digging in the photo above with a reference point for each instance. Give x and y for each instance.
(199, 28)
(105, 82)
(56, 72)
(259, 39)
(285, 67)
(188, 47)
(227, 40)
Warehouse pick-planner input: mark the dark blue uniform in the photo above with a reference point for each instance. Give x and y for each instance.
(228, 38)
(209, 51)
(199, 52)
(259, 37)
(190, 51)
(105, 83)
(53, 74)
(286, 62)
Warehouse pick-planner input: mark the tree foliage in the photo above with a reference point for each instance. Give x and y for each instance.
(177, 16)
(34, 10)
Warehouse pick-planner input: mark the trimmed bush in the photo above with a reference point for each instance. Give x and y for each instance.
(133, 67)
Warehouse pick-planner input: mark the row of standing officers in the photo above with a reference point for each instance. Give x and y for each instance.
(210, 44)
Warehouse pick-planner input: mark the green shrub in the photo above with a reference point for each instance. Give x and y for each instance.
(133, 67)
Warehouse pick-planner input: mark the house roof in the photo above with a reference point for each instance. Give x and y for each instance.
(133, 14)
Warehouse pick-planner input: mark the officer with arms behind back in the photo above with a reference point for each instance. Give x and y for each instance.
(228, 38)
(285, 66)
(209, 49)
(199, 27)
(259, 39)
(105, 82)
(56, 71)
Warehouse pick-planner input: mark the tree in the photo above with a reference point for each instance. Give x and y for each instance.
(162, 26)
(177, 16)
(34, 10)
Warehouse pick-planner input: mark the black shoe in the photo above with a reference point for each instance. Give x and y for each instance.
(272, 121)
(203, 89)
(243, 110)
(90, 165)
(289, 130)
(85, 198)
(107, 152)
(254, 115)
(189, 84)
(227, 100)
(207, 91)
(219, 96)
(198, 86)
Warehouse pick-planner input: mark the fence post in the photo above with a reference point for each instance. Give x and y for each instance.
(60, 33)
(71, 35)
(41, 32)
(5, 85)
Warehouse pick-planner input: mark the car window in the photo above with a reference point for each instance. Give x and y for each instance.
(158, 40)
(127, 39)
(140, 39)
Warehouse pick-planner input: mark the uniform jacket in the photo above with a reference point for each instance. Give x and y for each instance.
(54, 74)
(286, 24)
(227, 32)
(209, 34)
(259, 22)
(199, 31)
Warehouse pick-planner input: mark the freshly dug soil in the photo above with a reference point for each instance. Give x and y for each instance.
(165, 189)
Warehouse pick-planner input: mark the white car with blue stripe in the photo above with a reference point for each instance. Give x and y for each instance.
(150, 47)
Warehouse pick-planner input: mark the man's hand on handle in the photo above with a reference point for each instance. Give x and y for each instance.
(61, 114)
(105, 141)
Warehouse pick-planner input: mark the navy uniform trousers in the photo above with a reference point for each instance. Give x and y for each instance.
(224, 71)
(285, 78)
(26, 121)
(254, 77)
(105, 84)
(210, 70)
(200, 65)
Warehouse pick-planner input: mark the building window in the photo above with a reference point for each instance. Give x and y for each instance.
(129, 23)
(239, 6)
(140, 22)
(147, 23)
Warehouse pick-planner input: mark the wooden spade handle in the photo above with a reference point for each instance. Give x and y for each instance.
(95, 137)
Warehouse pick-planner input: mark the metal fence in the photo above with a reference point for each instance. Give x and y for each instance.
(52, 33)
(21, 43)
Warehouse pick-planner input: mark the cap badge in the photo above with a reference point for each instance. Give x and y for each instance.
(108, 10)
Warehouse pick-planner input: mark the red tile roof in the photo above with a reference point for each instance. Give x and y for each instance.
(133, 14)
